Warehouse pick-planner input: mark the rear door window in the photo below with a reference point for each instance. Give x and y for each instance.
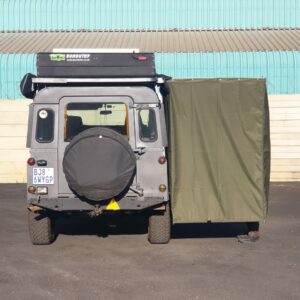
(82, 116)
(45, 126)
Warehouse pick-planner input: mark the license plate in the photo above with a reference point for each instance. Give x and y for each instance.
(43, 176)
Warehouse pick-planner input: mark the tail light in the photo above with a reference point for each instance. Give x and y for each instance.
(31, 161)
(162, 160)
(142, 57)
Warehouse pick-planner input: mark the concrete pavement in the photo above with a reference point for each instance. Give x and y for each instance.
(94, 259)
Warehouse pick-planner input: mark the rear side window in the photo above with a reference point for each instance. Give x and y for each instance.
(147, 121)
(45, 126)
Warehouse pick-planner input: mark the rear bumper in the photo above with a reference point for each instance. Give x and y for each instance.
(77, 204)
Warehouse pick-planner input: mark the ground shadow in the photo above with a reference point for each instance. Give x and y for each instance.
(101, 226)
(138, 224)
(208, 230)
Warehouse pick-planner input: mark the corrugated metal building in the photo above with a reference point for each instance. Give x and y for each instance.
(280, 68)
(147, 14)
(180, 33)
(154, 40)
(272, 54)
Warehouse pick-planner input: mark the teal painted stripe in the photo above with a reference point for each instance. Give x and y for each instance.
(12, 69)
(281, 69)
(147, 14)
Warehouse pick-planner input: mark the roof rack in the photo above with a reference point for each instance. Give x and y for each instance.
(95, 65)
(92, 68)
(30, 83)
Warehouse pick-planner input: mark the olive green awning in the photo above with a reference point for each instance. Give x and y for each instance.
(219, 150)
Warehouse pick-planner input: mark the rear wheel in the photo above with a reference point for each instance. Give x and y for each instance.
(159, 230)
(41, 228)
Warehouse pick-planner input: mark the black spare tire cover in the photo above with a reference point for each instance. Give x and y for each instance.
(99, 163)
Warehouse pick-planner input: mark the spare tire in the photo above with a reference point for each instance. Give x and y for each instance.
(99, 164)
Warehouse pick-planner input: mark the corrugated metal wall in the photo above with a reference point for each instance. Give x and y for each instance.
(12, 69)
(282, 69)
(147, 14)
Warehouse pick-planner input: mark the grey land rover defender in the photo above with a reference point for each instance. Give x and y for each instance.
(108, 135)
(97, 138)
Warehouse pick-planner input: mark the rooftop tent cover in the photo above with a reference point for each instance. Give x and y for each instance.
(219, 150)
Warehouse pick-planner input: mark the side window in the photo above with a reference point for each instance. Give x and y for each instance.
(45, 126)
(147, 122)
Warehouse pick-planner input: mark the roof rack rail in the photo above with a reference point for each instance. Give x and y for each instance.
(31, 83)
(96, 50)
(51, 80)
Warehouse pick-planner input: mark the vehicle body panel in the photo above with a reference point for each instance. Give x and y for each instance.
(146, 181)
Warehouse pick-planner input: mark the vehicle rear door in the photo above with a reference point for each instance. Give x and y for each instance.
(65, 102)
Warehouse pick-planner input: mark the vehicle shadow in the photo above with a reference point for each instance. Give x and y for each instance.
(105, 226)
(101, 226)
(208, 230)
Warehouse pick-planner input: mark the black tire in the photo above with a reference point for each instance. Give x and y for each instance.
(99, 164)
(41, 228)
(159, 229)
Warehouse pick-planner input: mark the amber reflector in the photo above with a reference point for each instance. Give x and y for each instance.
(31, 189)
(162, 188)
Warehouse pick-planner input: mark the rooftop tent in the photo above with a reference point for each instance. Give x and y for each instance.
(219, 150)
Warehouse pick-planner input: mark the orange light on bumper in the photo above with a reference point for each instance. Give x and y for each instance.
(162, 188)
(31, 189)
